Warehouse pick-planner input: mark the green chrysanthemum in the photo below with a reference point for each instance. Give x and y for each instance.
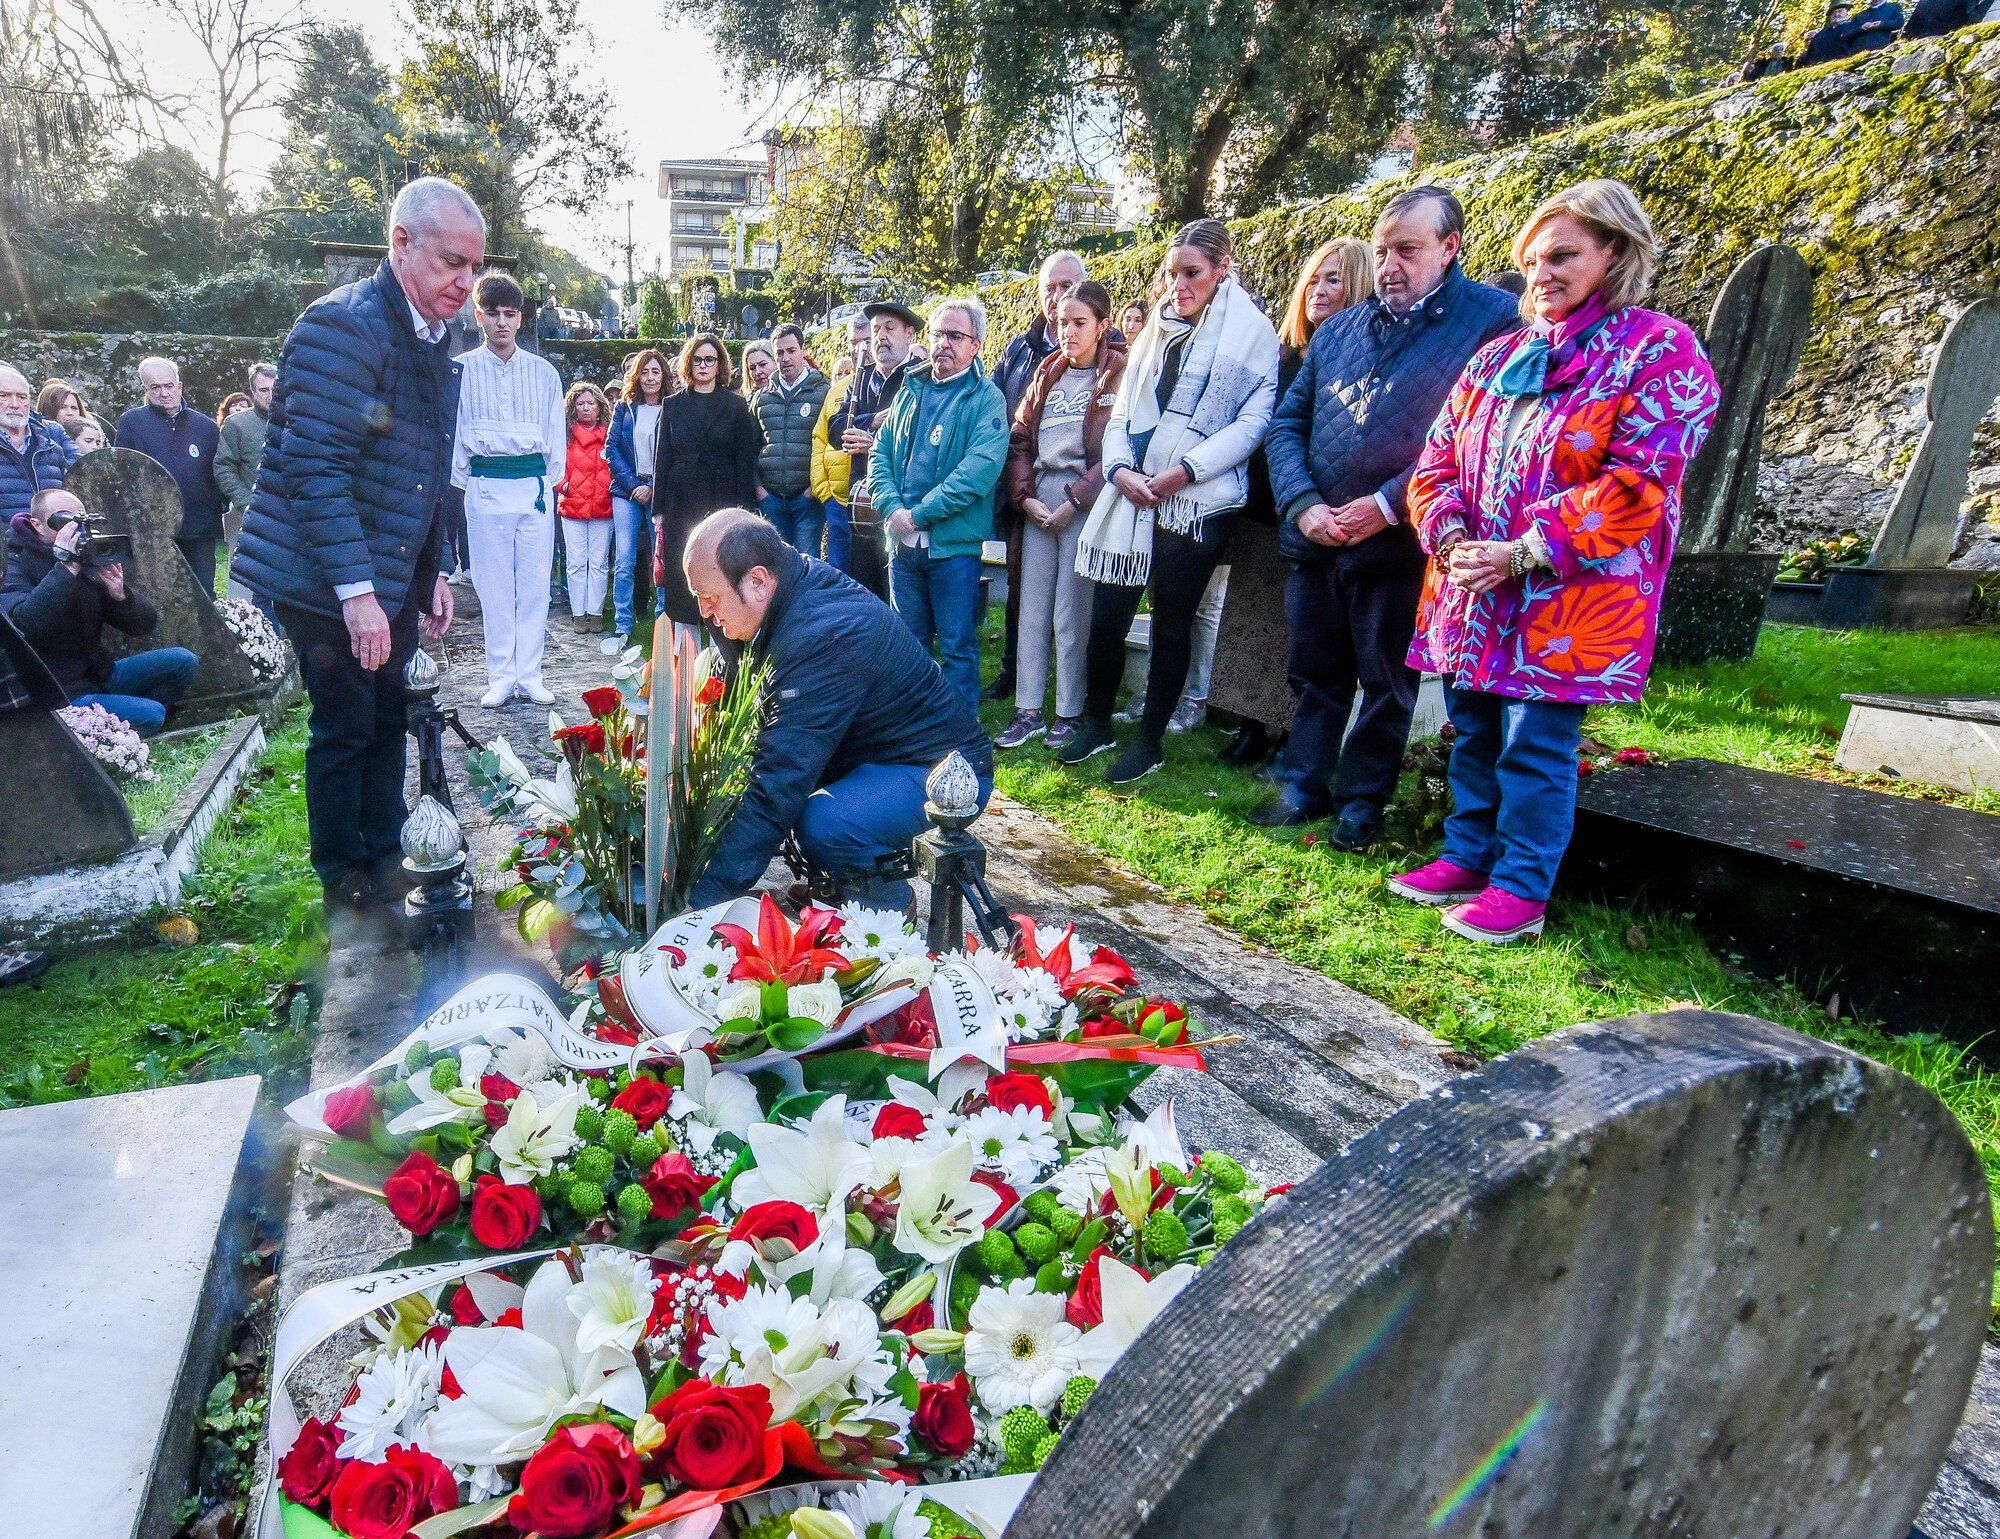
(589, 1124)
(397, 1096)
(586, 1198)
(621, 1131)
(945, 1524)
(1043, 1449)
(996, 1252)
(1021, 1432)
(1075, 1393)
(418, 1055)
(1166, 1236)
(1224, 1174)
(1042, 1207)
(1067, 1225)
(964, 1289)
(645, 1151)
(444, 1075)
(592, 1164)
(1036, 1241)
(1235, 1209)
(634, 1205)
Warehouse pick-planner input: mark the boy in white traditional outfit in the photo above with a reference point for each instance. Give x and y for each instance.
(508, 456)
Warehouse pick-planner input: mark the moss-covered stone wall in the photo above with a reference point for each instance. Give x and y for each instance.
(103, 365)
(1884, 171)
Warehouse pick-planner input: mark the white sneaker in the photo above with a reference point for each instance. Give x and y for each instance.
(1188, 715)
(538, 692)
(498, 695)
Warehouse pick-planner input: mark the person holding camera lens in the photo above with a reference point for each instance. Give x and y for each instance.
(64, 585)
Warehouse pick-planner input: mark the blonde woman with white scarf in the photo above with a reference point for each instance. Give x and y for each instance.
(1199, 389)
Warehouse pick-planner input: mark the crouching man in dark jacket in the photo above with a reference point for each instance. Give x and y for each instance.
(61, 600)
(856, 718)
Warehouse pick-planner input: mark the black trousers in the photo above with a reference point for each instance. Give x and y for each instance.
(354, 744)
(200, 555)
(1182, 566)
(1350, 629)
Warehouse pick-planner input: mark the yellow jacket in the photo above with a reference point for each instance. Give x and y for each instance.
(831, 469)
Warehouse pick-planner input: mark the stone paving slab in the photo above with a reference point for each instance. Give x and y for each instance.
(121, 1237)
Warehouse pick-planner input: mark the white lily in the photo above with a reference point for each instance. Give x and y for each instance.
(613, 1302)
(943, 1209)
(532, 1139)
(1131, 1303)
(817, 1168)
(1130, 1176)
(1160, 1137)
(462, 1103)
(518, 1383)
(800, 1352)
(815, 1001)
(556, 797)
(711, 1102)
(511, 768)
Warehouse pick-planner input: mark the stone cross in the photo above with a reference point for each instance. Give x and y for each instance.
(137, 497)
(1687, 1274)
(1756, 332)
(57, 805)
(1922, 526)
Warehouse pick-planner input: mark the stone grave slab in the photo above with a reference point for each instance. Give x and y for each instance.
(120, 1233)
(1922, 525)
(138, 498)
(1687, 1274)
(1939, 740)
(1892, 903)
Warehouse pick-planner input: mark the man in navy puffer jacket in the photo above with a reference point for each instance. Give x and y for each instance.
(346, 527)
(34, 452)
(1341, 448)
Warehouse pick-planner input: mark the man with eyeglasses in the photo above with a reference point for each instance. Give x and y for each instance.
(892, 330)
(937, 459)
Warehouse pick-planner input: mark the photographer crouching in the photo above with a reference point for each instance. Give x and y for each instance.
(64, 584)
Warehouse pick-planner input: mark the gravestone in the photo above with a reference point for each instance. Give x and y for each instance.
(1714, 602)
(57, 805)
(1937, 740)
(1906, 584)
(137, 497)
(1687, 1274)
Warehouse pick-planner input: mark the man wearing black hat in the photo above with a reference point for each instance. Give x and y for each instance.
(893, 330)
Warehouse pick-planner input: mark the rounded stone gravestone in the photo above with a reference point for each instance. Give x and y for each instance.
(1688, 1274)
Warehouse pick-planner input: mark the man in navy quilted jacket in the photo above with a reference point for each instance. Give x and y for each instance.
(1341, 447)
(345, 529)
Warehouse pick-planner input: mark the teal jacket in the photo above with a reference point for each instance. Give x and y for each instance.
(956, 508)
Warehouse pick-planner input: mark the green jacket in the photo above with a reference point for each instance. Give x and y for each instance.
(955, 505)
(237, 456)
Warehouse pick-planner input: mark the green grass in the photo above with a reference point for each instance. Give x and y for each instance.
(137, 1013)
(1185, 829)
(174, 765)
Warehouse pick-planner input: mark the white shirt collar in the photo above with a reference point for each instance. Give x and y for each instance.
(429, 332)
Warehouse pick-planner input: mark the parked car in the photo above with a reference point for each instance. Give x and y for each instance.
(840, 315)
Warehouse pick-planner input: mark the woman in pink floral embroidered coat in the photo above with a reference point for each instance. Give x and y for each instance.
(1548, 496)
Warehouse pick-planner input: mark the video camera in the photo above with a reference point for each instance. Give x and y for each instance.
(99, 544)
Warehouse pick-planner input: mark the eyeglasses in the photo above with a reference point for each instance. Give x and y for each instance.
(953, 336)
(704, 360)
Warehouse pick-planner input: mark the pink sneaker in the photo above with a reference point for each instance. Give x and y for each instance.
(1496, 916)
(1438, 883)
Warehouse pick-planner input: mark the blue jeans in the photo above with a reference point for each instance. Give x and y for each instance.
(940, 599)
(798, 518)
(631, 543)
(145, 686)
(1513, 788)
(870, 812)
(839, 532)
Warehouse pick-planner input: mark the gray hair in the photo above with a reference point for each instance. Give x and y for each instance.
(258, 370)
(969, 306)
(1446, 209)
(8, 368)
(1066, 255)
(420, 207)
(157, 363)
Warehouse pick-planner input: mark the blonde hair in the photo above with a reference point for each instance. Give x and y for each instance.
(1610, 211)
(1357, 277)
(577, 392)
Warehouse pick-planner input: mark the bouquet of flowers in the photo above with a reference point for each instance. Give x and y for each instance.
(259, 638)
(112, 741)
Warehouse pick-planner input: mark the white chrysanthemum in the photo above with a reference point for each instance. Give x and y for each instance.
(877, 932)
(392, 1398)
(809, 1358)
(704, 977)
(1019, 1144)
(1019, 1349)
(612, 1303)
(1029, 999)
(879, 1507)
(1081, 1183)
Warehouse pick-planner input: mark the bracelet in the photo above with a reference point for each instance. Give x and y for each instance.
(1520, 559)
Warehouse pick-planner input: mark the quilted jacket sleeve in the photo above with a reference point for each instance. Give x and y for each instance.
(332, 366)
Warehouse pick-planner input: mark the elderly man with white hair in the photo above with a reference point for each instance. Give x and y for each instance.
(34, 452)
(346, 527)
(186, 443)
(937, 458)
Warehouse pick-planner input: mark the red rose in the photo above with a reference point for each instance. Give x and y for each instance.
(710, 692)
(768, 1221)
(646, 1099)
(465, 1308)
(944, 1416)
(577, 741)
(504, 1216)
(308, 1471)
(603, 701)
(1008, 1196)
(387, 1500)
(421, 1194)
(922, 1318)
(497, 1087)
(1104, 1026)
(576, 1482)
(675, 1185)
(1086, 1305)
(896, 1120)
(1164, 1021)
(716, 1437)
(348, 1112)
(1013, 1092)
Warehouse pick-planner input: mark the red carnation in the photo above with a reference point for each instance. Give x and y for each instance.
(646, 1099)
(601, 702)
(421, 1194)
(1008, 1196)
(710, 692)
(387, 1500)
(504, 1216)
(896, 1120)
(944, 1416)
(716, 1437)
(586, 737)
(767, 1221)
(675, 1185)
(576, 1483)
(1014, 1092)
(349, 1112)
(465, 1308)
(307, 1472)
(1086, 1305)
